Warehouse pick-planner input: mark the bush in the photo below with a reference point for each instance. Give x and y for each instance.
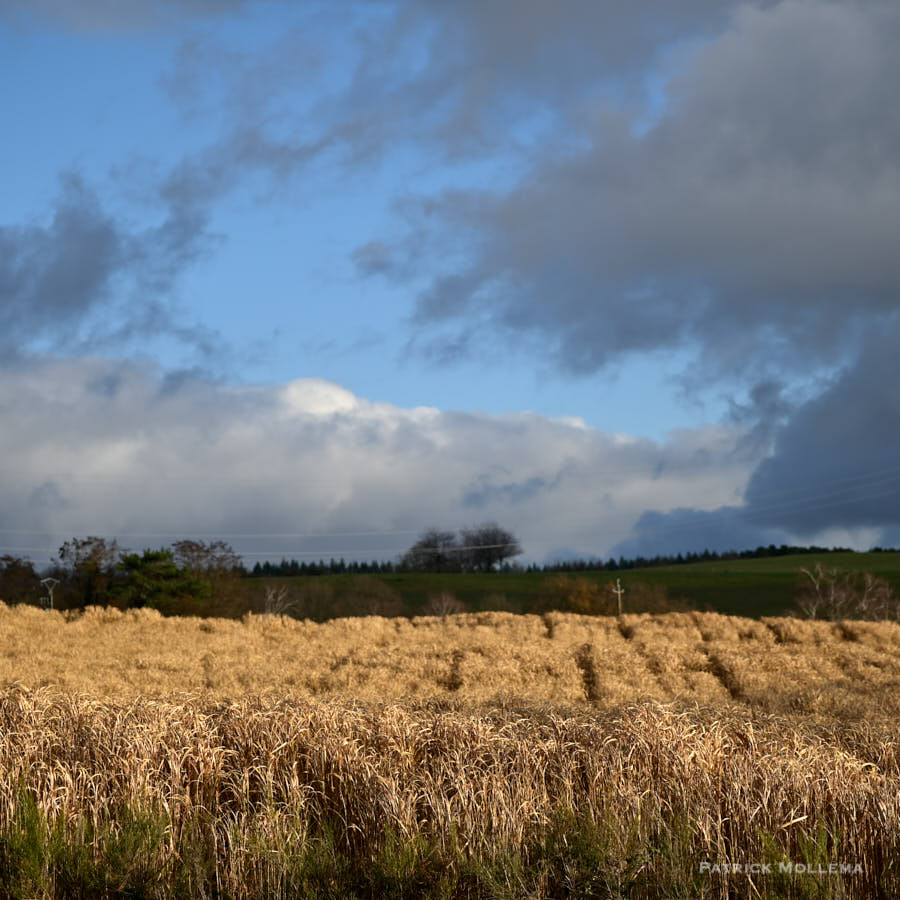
(832, 593)
(579, 595)
(443, 604)
(587, 597)
(368, 596)
(641, 597)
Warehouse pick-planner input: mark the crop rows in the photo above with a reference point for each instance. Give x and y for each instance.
(844, 670)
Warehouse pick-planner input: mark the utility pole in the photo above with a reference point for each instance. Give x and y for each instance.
(618, 590)
(49, 584)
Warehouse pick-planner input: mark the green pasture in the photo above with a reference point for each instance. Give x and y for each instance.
(745, 587)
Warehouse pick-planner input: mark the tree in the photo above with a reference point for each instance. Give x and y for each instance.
(216, 562)
(485, 547)
(153, 579)
(19, 582)
(833, 593)
(479, 549)
(215, 559)
(89, 565)
(434, 551)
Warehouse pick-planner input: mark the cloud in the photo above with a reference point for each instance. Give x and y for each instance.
(107, 14)
(706, 175)
(752, 221)
(450, 82)
(829, 473)
(86, 280)
(688, 530)
(51, 276)
(835, 461)
(96, 446)
(714, 177)
(469, 77)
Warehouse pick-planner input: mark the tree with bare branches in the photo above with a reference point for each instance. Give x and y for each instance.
(835, 594)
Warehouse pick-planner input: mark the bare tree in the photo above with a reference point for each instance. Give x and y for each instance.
(832, 593)
(89, 564)
(479, 549)
(443, 604)
(213, 559)
(277, 602)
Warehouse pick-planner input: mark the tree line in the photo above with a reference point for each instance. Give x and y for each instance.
(187, 575)
(442, 551)
(95, 570)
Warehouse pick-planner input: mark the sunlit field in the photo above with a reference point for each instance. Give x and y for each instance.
(783, 665)
(474, 755)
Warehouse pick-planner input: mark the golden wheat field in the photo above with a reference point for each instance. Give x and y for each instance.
(483, 754)
(784, 665)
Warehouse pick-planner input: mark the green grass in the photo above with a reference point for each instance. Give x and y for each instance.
(145, 855)
(744, 587)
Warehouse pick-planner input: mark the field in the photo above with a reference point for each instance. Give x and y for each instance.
(742, 587)
(484, 754)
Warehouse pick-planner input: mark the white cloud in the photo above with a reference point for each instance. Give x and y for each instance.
(94, 446)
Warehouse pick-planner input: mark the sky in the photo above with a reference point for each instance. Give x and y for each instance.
(314, 277)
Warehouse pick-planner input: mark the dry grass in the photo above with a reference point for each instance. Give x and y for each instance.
(473, 780)
(842, 670)
(677, 737)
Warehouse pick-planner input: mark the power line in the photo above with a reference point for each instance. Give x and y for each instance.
(860, 487)
(297, 535)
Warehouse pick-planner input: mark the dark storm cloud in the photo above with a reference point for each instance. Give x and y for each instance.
(836, 461)
(833, 474)
(466, 74)
(198, 181)
(52, 276)
(84, 280)
(752, 218)
(693, 530)
(754, 221)
(452, 80)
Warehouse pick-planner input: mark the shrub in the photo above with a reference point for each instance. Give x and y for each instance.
(315, 600)
(368, 596)
(832, 593)
(641, 597)
(443, 604)
(580, 595)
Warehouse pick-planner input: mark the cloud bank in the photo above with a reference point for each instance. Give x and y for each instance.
(94, 446)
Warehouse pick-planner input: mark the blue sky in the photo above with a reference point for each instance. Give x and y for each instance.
(633, 261)
(279, 286)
